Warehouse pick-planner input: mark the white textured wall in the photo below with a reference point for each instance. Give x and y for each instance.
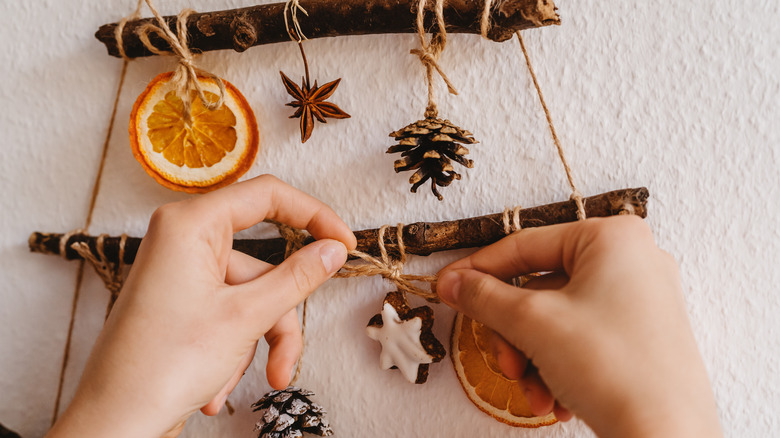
(680, 96)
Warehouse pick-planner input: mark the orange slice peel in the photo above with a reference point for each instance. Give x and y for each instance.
(482, 380)
(211, 150)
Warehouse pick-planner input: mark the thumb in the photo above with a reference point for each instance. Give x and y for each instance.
(513, 312)
(275, 293)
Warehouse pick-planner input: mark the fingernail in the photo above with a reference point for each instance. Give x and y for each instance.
(333, 255)
(448, 287)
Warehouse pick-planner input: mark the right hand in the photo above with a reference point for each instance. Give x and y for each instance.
(607, 328)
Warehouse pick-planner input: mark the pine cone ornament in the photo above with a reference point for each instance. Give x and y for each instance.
(289, 413)
(430, 146)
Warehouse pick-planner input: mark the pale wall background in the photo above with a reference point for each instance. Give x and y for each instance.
(682, 97)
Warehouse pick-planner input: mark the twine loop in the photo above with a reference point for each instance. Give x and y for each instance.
(109, 272)
(429, 53)
(511, 220)
(185, 77)
(485, 24)
(292, 7)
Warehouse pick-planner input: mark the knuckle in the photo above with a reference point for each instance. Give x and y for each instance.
(166, 215)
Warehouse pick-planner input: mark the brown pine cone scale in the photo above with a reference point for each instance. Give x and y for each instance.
(430, 146)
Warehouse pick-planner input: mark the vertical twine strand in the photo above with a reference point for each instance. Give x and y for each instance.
(292, 7)
(429, 53)
(185, 77)
(576, 196)
(90, 211)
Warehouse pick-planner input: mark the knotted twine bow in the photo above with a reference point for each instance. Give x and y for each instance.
(185, 77)
(429, 53)
(385, 266)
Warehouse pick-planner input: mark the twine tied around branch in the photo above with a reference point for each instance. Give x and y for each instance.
(511, 225)
(385, 266)
(185, 77)
(292, 7)
(109, 272)
(429, 53)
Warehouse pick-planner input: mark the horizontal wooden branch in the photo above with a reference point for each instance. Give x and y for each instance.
(240, 29)
(420, 238)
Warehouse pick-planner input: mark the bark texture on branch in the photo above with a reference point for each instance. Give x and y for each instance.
(240, 29)
(420, 238)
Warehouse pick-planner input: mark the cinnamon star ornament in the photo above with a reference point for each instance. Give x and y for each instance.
(407, 338)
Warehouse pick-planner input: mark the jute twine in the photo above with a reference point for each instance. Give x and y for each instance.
(110, 273)
(90, 211)
(185, 77)
(292, 7)
(576, 195)
(429, 53)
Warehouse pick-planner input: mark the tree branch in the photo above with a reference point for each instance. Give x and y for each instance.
(240, 29)
(420, 238)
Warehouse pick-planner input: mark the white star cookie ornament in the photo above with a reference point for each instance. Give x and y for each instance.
(407, 339)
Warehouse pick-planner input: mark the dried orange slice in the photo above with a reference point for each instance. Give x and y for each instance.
(212, 150)
(484, 383)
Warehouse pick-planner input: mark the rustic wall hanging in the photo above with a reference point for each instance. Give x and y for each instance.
(428, 146)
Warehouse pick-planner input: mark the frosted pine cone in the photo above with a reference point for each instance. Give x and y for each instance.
(289, 413)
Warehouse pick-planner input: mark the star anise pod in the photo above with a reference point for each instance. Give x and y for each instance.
(311, 103)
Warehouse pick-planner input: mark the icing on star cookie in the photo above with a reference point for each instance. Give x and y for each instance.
(407, 339)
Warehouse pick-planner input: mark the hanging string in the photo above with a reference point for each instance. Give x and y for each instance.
(185, 77)
(576, 196)
(292, 7)
(485, 24)
(90, 211)
(429, 53)
(295, 241)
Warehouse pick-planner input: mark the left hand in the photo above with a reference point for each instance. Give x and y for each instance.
(192, 310)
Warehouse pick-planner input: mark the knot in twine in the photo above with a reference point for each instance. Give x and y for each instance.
(388, 268)
(292, 7)
(429, 53)
(385, 266)
(185, 77)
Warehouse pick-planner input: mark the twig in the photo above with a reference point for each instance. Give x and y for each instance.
(420, 238)
(240, 29)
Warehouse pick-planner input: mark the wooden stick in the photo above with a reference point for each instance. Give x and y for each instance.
(240, 29)
(421, 238)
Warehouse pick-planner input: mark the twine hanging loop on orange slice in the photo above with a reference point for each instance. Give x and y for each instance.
(482, 380)
(210, 149)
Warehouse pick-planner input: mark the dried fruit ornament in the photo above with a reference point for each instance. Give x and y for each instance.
(208, 149)
(190, 130)
(482, 379)
(407, 338)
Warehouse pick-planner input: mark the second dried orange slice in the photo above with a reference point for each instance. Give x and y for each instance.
(210, 150)
(482, 380)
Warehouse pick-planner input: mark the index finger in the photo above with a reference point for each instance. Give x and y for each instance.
(250, 202)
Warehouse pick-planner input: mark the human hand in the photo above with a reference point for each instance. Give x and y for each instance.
(192, 310)
(606, 328)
